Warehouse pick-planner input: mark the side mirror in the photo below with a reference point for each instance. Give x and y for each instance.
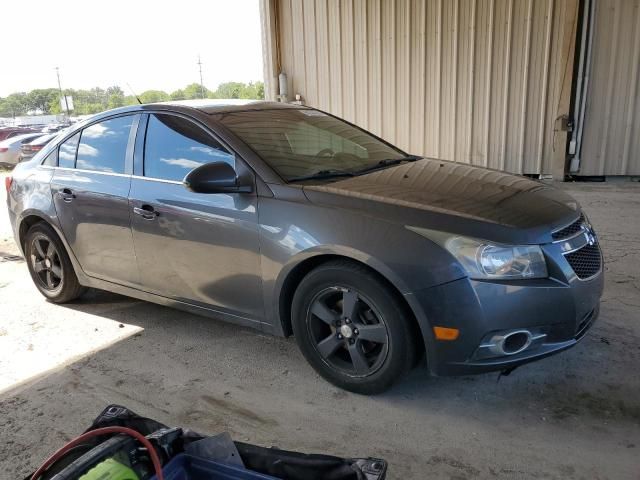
(216, 177)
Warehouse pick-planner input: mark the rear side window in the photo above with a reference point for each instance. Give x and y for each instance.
(50, 160)
(103, 146)
(175, 146)
(67, 153)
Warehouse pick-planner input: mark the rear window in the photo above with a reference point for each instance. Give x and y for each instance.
(51, 159)
(103, 146)
(67, 152)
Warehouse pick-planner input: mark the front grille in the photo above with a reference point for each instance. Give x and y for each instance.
(586, 262)
(569, 230)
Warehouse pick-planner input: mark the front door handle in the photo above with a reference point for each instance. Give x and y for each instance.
(66, 194)
(146, 211)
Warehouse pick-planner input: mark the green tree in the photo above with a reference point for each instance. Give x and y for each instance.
(40, 99)
(151, 96)
(115, 97)
(54, 106)
(94, 100)
(194, 90)
(229, 90)
(130, 100)
(177, 95)
(254, 90)
(15, 104)
(259, 90)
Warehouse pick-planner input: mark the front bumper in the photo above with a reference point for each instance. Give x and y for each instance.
(558, 313)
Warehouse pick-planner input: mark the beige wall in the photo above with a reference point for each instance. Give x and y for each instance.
(611, 139)
(476, 81)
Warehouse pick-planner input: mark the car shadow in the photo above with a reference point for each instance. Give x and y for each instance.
(572, 384)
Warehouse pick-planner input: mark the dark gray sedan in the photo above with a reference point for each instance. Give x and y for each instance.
(292, 221)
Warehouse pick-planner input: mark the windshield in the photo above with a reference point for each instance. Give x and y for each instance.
(299, 143)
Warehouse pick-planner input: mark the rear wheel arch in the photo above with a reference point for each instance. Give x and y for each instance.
(30, 220)
(303, 268)
(25, 224)
(47, 256)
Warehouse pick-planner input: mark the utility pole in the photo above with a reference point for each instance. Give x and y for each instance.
(66, 104)
(201, 84)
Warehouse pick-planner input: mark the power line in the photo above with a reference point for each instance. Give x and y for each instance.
(201, 83)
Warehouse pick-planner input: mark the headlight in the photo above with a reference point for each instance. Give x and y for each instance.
(484, 260)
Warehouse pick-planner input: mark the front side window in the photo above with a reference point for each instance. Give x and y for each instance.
(174, 146)
(300, 142)
(67, 153)
(103, 146)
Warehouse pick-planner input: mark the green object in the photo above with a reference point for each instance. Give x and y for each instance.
(110, 469)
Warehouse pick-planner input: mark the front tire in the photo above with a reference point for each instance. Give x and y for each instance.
(50, 266)
(352, 329)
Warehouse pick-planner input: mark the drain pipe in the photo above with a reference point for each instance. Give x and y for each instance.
(282, 87)
(584, 71)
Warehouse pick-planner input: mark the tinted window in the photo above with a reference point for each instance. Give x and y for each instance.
(67, 154)
(103, 146)
(299, 142)
(175, 146)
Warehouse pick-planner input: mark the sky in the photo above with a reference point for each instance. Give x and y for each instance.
(147, 44)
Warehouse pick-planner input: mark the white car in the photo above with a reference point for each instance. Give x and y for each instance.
(10, 148)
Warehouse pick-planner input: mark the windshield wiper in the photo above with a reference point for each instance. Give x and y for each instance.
(320, 174)
(387, 162)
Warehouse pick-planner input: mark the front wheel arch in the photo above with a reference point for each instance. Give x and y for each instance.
(295, 276)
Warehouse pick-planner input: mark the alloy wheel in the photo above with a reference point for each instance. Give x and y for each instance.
(348, 332)
(46, 263)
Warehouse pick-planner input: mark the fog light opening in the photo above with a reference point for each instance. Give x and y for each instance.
(516, 342)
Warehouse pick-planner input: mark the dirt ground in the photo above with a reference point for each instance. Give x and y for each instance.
(572, 416)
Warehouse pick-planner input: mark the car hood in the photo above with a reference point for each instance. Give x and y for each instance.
(454, 194)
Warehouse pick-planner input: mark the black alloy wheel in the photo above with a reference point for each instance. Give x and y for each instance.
(349, 334)
(50, 266)
(46, 263)
(353, 328)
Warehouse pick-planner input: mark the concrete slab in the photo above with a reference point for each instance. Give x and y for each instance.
(572, 416)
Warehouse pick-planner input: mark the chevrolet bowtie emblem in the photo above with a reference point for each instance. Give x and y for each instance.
(590, 236)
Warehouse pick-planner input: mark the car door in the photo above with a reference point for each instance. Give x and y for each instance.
(90, 188)
(193, 247)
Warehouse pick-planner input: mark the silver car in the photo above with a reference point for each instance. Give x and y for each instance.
(33, 146)
(11, 148)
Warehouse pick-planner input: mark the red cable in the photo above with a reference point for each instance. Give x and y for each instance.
(102, 431)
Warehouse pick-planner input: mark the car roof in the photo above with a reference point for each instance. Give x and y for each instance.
(19, 138)
(207, 105)
(220, 105)
(45, 138)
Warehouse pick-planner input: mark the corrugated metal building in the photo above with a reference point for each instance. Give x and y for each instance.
(494, 83)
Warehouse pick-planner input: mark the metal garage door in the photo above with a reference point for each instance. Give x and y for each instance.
(611, 135)
(477, 81)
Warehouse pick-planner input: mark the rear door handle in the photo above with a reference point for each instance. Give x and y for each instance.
(146, 211)
(66, 194)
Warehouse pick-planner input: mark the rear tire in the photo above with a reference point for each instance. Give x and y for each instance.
(50, 266)
(352, 329)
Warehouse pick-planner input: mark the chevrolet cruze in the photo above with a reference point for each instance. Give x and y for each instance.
(292, 221)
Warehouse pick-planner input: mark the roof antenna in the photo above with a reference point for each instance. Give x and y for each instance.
(134, 94)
